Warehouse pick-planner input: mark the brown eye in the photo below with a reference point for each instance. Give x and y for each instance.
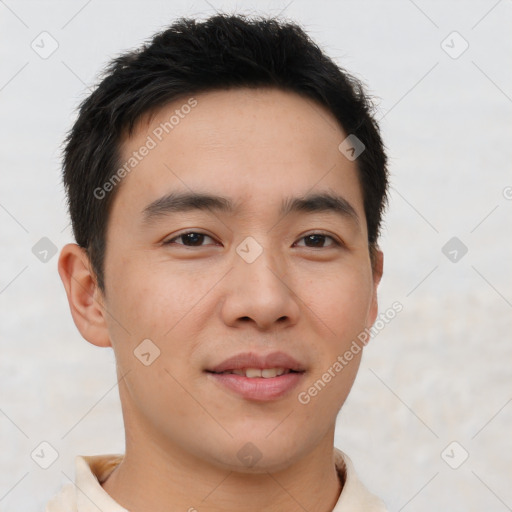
(317, 241)
(189, 239)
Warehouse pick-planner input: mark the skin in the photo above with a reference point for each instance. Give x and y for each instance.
(201, 304)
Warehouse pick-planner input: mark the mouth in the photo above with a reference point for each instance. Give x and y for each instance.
(254, 373)
(258, 377)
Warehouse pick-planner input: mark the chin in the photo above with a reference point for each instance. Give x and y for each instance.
(259, 455)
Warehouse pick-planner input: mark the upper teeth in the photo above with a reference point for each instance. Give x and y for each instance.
(267, 373)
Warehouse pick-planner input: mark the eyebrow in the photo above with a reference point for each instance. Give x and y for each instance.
(179, 202)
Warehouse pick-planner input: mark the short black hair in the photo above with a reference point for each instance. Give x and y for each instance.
(224, 51)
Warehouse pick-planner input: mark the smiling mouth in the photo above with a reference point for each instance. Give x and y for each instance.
(258, 384)
(258, 377)
(254, 373)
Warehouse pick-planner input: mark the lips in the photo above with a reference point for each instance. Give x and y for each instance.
(253, 373)
(258, 377)
(278, 361)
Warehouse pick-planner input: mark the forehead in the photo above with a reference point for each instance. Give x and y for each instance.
(250, 144)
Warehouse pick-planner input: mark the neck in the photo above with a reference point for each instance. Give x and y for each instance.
(150, 478)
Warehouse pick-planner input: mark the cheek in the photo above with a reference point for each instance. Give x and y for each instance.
(155, 303)
(149, 302)
(340, 303)
(340, 298)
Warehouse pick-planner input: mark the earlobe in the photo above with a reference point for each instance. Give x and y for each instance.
(83, 294)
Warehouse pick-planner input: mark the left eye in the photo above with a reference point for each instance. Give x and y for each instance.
(317, 239)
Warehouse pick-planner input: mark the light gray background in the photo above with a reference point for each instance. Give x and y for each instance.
(439, 372)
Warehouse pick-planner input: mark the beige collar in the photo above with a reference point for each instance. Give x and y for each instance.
(87, 494)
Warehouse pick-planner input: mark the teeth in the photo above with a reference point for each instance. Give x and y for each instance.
(267, 373)
(252, 373)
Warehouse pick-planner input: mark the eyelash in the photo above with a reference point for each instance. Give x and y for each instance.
(334, 244)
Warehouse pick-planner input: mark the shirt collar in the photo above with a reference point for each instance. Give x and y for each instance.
(93, 470)
(354, 495)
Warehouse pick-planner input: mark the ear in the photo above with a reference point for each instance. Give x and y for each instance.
(377, 270)
(85, 299)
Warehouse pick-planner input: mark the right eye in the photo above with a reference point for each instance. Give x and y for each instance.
(190, 239)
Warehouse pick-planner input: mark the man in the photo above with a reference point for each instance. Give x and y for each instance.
(226, 184)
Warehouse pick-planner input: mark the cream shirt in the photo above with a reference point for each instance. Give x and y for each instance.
(87, 495)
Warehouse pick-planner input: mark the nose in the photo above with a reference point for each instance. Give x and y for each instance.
(257, 293)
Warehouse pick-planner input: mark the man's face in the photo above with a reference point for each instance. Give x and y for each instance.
(248, 282)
